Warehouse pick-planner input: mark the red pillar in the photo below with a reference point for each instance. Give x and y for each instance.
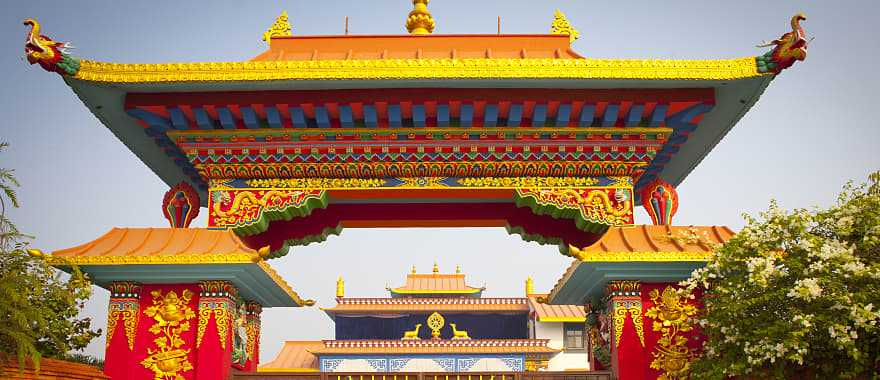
(123, 315)
(254, 311)
(214, 335)
(628, 361)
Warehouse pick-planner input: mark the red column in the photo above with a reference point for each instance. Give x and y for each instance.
(628, 361)
(151, 331)
(214, 335)
(254, 310)
(123, 315)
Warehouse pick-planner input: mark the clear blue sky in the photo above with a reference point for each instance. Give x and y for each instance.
(812, 130)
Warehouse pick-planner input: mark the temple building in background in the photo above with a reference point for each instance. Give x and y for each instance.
(318, 134)
(436, 322)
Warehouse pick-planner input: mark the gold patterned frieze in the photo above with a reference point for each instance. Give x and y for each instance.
(474, 68)
(427, 182)
(233, 258)
(125, 304)
(588, 256)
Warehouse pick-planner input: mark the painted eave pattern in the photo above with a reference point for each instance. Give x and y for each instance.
(458, 304)
(435, 346)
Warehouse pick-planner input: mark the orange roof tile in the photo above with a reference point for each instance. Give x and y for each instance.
(647, 243)
(556, 313)
(654, 243)
(435, 283)
(186, 252)
(432, 346)
(317, 48)
(295, 355)
(395, 305)
(160, 246)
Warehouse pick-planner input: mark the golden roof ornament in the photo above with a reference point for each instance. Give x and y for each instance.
(561, 25)
(436, 268)
(458, 269)
(530, 286)
(340, 287)
(281, 28)
(419, 20)
(413, 269)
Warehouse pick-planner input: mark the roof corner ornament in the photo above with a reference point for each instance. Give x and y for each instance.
(50, 54)
(180, 205)
(530, 286)
(281, 28)
(419, 21)
(788, 49)
(561, 25)
(660, 201)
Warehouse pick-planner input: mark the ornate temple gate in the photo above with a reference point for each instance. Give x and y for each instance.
(321, 133)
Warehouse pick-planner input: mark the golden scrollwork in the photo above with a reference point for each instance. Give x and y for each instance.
(634, 309)
(243, 207)
(672, 315)
(220, 310)
(598, 205)
(252, 330)
(127, 309)
(171, 314)
(497, 68)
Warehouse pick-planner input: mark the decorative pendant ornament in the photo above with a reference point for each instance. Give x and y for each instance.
(181, 205)
(661, 202)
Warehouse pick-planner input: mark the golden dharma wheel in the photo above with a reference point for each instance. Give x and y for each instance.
(435, 323)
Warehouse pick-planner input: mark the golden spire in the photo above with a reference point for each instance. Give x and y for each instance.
(281, 28)
(419, 20)
(413, 270)
(458, 269)
(436, 268)
(560, 25)
(530, 286)
(340, 288)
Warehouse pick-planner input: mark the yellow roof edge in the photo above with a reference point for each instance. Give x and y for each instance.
(647, 256)
(236, 258)
(447, 68)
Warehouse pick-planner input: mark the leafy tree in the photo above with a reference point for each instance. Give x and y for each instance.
(38, 306)
(796, 294)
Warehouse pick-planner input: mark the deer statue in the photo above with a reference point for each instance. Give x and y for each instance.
(412, 334)
(458, 334)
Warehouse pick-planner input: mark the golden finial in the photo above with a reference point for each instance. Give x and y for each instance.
(413, 270)
(458, 269)
(436, 268)
(530, 286)
(340, 287)
(281, 28)
(419, 20)
(560, 25)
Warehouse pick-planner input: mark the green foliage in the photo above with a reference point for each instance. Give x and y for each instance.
(38, 307)
(796, 294)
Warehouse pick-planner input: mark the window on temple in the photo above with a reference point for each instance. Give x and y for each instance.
(574, 336)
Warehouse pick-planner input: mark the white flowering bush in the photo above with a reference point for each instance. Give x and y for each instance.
(796, 294)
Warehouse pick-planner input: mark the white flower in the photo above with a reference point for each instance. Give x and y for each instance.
(807, 289)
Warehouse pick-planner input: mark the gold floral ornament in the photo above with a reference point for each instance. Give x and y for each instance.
(671, 316)
(281, 28)
(419, 20)
(561, 25)
(172, 314)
